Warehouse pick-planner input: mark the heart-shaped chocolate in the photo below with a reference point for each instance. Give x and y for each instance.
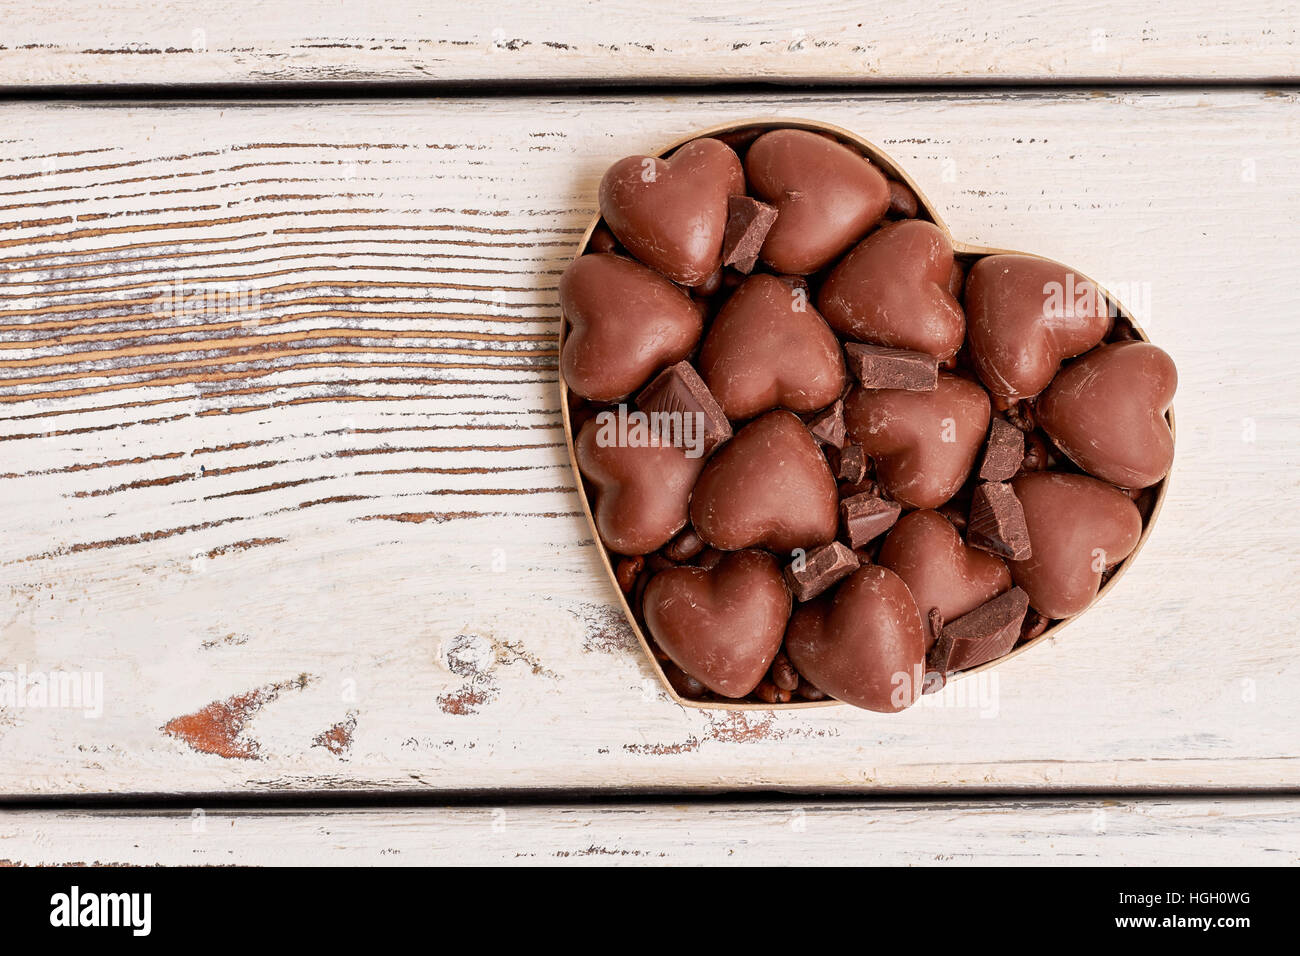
(1024, 316)
(892, 289)
(769, 487)
(769, 348)
(865, 644)
(1078, 527)
(924, 444)
(625, 323)
(1106, 411)
(827, 196)
(940, 569)
(642, 484)
(722, 625)
(672, 213)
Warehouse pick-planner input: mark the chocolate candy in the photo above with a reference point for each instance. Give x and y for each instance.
(625, 323)
(997, 522)
(1106, 411)
(851, 465)
(940, 570)
(1004, 452)
(679, 391)
(828, 426)
(810, 574)
(721, 626)
(672, 213)
(748, 223)
(768, 487)
(1025, 316)
(641, 491)
(903, 203)
(877, 366)
(982, 635)
(864, 644)
(893, 290)
(1079, 527)
(866, 517)
(826, 195)
(769, 348)
(923, 443)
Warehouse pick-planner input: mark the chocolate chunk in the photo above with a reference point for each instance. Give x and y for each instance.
(903, 203)
(1003, 453)
(679, 391)
(748, 222)
(997, 522)
(879, 367)
(983, 635)
(828, 426)
(852, 464)
(817, 570)
(685, 546)
(866, 517)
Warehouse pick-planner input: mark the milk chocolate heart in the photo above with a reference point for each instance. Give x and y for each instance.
(924, 443)
(626, 322)
(768, 347)
(1106, 411)
(642, 485)
(1078, 527)
(768, 487)
(1025, 316)
(865, 644)
(892, 289)
(672, 213)
(721, 625)
(940, 570)
(827, 196)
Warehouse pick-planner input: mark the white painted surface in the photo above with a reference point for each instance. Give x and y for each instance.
(204, 512)
(259, 41)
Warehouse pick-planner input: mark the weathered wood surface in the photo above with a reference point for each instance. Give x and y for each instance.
(332, 541)
(1187, 831)
(70, 42)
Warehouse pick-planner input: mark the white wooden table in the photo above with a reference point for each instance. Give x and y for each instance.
(327, 540)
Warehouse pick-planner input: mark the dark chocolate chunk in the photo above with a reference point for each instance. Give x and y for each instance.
(852, 464)
(867, 516)
(879, 367)
(679, 390)
(828, 426)
(983, 635)
(748, 222)
(1003, 453)
(997, 522)
(814, 572)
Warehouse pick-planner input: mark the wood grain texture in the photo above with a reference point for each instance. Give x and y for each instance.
(71, 42)
(1144, 832)
(333, 542)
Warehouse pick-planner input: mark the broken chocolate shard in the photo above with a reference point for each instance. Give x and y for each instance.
(866, 517)
(748, 223)
(982, 635)
(879, 367)
(679, 391)
(828, 426)
(852, 464)
(997, 522)
(814, 572)
(1003, 452)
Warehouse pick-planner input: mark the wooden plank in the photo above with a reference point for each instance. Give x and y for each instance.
(71, 42)
(332, 541)
(1143, 832)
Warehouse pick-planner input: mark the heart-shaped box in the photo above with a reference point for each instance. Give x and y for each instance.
(967, 254)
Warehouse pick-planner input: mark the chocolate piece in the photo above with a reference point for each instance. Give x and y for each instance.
(748, 222)
(828, 426)
(1003, 453)
(682, 682)
(769, 693)
(782, 673)
(956, 279)
(679, 391)
(903, 203)
(852, 464)
(1106, 411)
(892, 289)
(769, 348)
(602, 240)
(809, 691)
(684, 547)
(627, 572)
(814, 572)
(983, 635)
(866, 517)
(877, 366)
(997, 522)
